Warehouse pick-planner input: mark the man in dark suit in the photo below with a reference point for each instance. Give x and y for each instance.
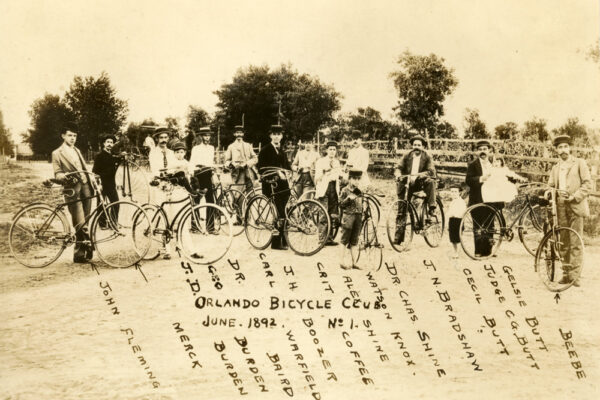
(478, 171)
(67, 158)
(105, 166)
(419, 165)
(272, 155)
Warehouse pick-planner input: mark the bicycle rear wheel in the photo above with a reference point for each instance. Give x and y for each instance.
(260, 221)
(132, 184)
(231, 200)
(481, 231)
(38, 235)
(373, 206)
(370, 251)
(124, 241)
(433, 231)
(205, 234)
(555, 261)
(306, 227)
(399, 223)
(531, 229)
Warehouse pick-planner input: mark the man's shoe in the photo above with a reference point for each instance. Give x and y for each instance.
(79, 260)
(166, 256)
(197, 256)
(576, 283)
(565, 280)
(331, 242)
(432, 211)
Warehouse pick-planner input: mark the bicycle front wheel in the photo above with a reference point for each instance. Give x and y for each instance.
(205, 233)
(158, 231)
(123, 240)
(38, 235)
(232, 201)
(531, 229)
(559, 258)
(370, 251)
(433, 231)
(399, 223)
(132, 184)
(481, 231)
(260, 221)
(306, 227)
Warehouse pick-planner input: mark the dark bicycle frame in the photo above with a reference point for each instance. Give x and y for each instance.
(420, 218)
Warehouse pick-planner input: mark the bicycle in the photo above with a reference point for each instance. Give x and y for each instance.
(39, 232)
(131, 179)
(403, 220)
(306, 220)
(553, 256)
(203, 226)
(492, 227)
(229, 198)
(369, 247)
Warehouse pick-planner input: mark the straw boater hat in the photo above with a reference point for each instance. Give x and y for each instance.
(483, 142)
(238, 128)
(159, 130)
(561, 139)
(205, 130)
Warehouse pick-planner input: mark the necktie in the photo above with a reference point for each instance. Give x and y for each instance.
(165, 158)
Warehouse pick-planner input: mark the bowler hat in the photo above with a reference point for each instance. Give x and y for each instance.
(417, 137)
(356, 134)
(483, 142)
(561, 139)
(104, 138)
(276, 129)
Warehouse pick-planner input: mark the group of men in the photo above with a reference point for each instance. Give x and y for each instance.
(322, 174)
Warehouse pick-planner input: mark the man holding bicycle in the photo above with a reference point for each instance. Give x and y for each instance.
(327, 176)
(571, 175)
(65, 159)
(105, 166)
(203, 155)
(419, 165)
(272, 155)
(241, 159)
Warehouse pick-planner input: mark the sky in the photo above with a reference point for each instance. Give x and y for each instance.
(514, 59)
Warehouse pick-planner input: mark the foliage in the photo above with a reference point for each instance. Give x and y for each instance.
(535, 130)
(577, 132)
(445, 130)
(6, 142)
(196, 118)
(506, 131)
(594, 53)
(96, 109)
(137, 132)
(474, 127)
(255, 92)
(369, 122)
(50, 117)
(422, 83)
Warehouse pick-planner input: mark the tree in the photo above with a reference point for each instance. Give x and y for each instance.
(445, 130)
(474, 127)
(196, 118)
(96, 109)
(578, 132)
(507, 131)
(594, 53)
(257, 93)
(422, 83)
(137, 132)
(535, 130)
(50, 117)
(6, 143)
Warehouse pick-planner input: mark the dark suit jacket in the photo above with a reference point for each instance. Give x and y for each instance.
(105, 165)
(269, 157)
(474, 172)
(426, 164)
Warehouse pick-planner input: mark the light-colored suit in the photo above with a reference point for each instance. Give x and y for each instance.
(63, 163)
(242, 158)
(578, 183)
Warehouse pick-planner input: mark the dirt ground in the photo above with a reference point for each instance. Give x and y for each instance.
(418, 330)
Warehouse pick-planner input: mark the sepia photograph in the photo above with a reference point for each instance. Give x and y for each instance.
(315, 200)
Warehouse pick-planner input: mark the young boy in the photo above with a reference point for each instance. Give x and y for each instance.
(181, 166)
(351, 204)
(455, 212)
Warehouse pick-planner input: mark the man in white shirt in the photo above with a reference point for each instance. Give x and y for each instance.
(358, 159)
(67, 159)
(572, 175)
(327, 175)
(241, 159)
(304, 166)
(161, 157)
(203, 155)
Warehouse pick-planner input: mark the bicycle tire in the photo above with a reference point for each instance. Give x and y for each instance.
(124, 241)
(434, 232)
(23, 242)
(158, 233)
(373, 204)
(406, 225)
(249, 195)
(469, 230)
(199, 240)
(260, 221)
(369, 248)
(549, 258)
(135, 189)
(231, 200)
(531, 229)
(307, 219)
